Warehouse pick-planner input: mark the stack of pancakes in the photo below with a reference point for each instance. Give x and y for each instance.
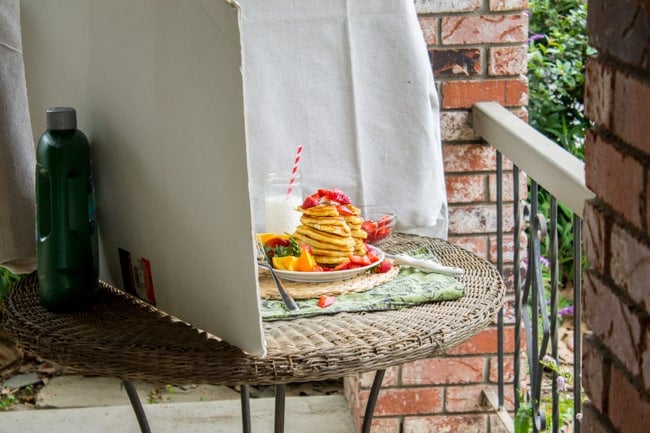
(332, 236)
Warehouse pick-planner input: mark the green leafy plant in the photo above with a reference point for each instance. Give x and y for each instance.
(7, 279)
(557, 54)
(7, 399)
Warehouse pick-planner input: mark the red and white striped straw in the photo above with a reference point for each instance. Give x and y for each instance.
(294, 170)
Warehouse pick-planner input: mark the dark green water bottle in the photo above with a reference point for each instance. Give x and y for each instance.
(66, 230)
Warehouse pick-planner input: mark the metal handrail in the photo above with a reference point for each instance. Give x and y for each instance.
(557, 170)
(549, 166)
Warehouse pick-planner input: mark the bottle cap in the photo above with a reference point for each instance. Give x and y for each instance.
(61, 118)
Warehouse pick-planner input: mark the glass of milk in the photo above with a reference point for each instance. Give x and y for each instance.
(281, 201)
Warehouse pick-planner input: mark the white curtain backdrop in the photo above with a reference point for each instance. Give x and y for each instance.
(17, 157)
(350, 81)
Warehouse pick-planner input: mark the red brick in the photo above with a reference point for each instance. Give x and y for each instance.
(620, 29)
(485, 342)
(508, 367)
(591, 421)
(508, 187)
(391, 378)
(406, 401)
(456, 62)
(474, 244)
(595, 373)
(482, 29)
(599, 94)
(383, 425)
(615, 177)
(645, 362)
(443, 6)
(595, 235)
(464, 94)
(628, 412)
(446, 423)
(508, 248)
(631, 114)
(456, 126)
(459, 158)
(613, 322)
(504, 61)
(438, 371)
(429, 26)
(508, 5)
(468, 398)
(468, 188)
(630, 265)
(475, 219)
(497, 425)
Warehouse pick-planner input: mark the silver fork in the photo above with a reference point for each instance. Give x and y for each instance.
(263, 260)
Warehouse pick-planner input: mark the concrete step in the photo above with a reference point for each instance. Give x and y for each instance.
(322, 414)
(73, 391)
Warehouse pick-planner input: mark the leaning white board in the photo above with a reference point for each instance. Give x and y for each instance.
(157, 85)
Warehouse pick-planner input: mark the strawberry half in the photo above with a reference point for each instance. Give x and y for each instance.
(338, 196)
(311, 201)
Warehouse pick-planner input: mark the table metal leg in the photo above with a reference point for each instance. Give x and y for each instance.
(245, 409)
(134, 398)
(372, 400)
(280, 393)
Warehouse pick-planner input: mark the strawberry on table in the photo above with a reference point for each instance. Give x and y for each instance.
(383, 267)
(326, 301)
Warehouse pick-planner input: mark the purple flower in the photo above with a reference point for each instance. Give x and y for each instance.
(549, 360)
(561, 384)
(535, 37)
(579, 416)
(544, 261)
(566, 311)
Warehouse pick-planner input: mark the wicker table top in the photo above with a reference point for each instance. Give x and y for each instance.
(124, 337)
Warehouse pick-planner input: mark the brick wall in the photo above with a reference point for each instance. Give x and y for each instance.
(478, 53)
(616, 299)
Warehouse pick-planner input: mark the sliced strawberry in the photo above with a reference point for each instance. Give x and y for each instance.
(383, 267)
(277, 242)
(360, 260)
(369, 226)
(326, 301)
(341, 266)
(311, 201)
(338, 196)
(318, 268)
(344, 210)
(372, 256)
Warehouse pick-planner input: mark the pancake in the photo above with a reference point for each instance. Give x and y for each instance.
(330, 220)
(330, 260)
(359, 234)
(334, 239)
(322, 240)
(321, 210)
(353, 220)
(337, 227)
(324, 252)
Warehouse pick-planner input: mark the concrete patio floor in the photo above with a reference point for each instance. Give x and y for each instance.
(323, 414)
(75, 404)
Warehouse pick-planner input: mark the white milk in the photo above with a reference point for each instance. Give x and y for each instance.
(281, 216)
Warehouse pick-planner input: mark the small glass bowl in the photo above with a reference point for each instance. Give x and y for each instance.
(378, 221)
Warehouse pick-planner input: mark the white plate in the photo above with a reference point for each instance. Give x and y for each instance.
(322, 277)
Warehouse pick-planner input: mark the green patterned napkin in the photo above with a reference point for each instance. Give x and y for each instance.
(408, 288)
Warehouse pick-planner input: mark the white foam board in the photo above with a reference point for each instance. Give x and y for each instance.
(157, 85)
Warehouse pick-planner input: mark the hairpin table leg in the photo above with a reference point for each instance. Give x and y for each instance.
(280, 392)
(136, 404)
(245, 409)
(372, 400)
